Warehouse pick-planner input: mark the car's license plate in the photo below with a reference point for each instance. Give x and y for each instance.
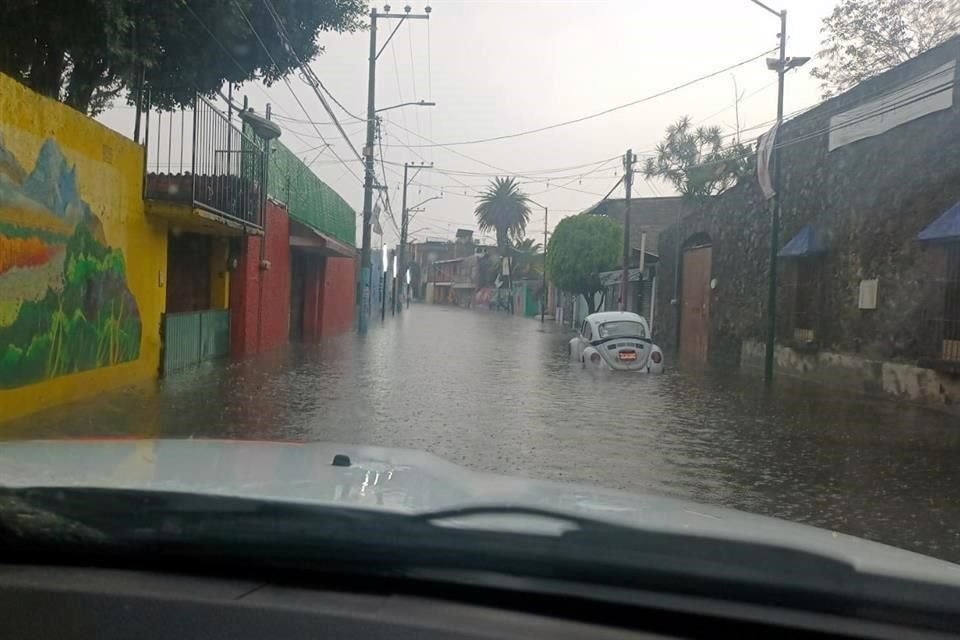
(627, 355)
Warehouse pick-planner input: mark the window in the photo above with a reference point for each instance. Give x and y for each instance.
(622, 329)
(585, 331)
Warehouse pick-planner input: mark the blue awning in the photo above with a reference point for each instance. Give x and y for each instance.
(946, 227)
(805, 243)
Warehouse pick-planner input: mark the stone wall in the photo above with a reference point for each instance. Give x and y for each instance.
(868, 200)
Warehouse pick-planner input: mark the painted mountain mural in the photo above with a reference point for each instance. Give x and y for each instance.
(64, 302)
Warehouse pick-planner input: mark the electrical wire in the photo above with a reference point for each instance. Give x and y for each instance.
(247, 74)
(599, 113)
(304, 69)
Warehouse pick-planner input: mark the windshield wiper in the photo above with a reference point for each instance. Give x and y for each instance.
(127, 520)
(149, 528)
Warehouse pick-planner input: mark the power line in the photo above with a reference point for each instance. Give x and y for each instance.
(226, 51)
(304, 69)
(262, 90)
(386, 188)
(482, 162)
(599, 113)
(830, 128)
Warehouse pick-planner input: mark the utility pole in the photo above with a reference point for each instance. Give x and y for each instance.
(781, 66)
(405, 218)
(628, 184)
(543, 305)
(368, 177)
(546, 214)
(775, 218)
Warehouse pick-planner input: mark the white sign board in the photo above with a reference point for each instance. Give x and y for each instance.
(867, 298)
(924, 94)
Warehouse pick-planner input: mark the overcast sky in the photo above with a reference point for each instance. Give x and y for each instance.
(498, 67)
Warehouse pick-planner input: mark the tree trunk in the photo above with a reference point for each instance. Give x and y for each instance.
(588, 297)
(85, 79)
(46, 71)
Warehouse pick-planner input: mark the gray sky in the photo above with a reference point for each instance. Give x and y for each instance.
(497, 67)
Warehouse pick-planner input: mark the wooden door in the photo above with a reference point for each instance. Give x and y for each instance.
(695, 304)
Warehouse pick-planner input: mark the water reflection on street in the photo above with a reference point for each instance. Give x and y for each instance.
(496, 393)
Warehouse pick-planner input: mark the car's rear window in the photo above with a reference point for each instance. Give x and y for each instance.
(622, 328)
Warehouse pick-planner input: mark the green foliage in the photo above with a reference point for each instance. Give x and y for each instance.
(87, 52)
(696, 162)
(582, 247)
(92, 322)
(526, 260)
(505, 208)
(862, 38)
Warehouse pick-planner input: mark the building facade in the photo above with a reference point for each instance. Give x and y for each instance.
(867, 296)
(121, 261)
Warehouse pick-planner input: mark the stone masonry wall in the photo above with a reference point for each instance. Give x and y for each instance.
(868, 200)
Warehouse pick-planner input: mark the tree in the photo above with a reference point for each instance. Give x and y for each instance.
(87, 52)
(504, 208)
(525, 257)
(862, 38)
(696, 162)
(581, 248)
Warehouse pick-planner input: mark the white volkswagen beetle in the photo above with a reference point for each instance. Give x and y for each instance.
(616, 340)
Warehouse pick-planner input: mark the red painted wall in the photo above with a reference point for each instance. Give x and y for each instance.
(337, 301)
(313, 299)
(260, 299)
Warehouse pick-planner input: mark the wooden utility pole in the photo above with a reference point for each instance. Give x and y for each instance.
(625, 278)
(405, 219)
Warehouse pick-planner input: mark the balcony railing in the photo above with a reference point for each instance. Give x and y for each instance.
(199, 156)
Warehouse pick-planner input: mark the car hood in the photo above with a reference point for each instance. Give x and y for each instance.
(409, 481)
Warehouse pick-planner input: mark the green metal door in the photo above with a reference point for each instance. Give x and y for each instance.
(214, 334)
(181, 340)
(193, 337)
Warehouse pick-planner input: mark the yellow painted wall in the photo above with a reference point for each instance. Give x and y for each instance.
(108, 176)
(219, 274)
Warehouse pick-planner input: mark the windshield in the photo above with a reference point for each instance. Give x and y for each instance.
(621, 329)
(383, 281)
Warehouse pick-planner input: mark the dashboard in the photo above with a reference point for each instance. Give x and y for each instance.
(63, 603)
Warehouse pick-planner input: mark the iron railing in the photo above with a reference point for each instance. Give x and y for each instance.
(200, 156)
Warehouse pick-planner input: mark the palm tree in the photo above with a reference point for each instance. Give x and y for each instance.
(526, 258)
(503, 207)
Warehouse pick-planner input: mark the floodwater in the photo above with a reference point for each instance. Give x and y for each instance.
(497, 393)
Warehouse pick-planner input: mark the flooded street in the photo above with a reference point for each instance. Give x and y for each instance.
(497, 393)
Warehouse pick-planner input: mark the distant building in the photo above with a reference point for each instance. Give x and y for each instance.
(649, 217)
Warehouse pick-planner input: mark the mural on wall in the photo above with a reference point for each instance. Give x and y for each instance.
(64, 302)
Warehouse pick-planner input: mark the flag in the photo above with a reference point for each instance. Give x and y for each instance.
(377, 229)
(764, 154)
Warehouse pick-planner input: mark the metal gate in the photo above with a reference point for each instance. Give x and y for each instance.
(695, 304)
(193, 337)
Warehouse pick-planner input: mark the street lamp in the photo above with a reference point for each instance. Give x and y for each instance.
(543, 301)
(418, 103)
(781, 65)
(369, 172)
